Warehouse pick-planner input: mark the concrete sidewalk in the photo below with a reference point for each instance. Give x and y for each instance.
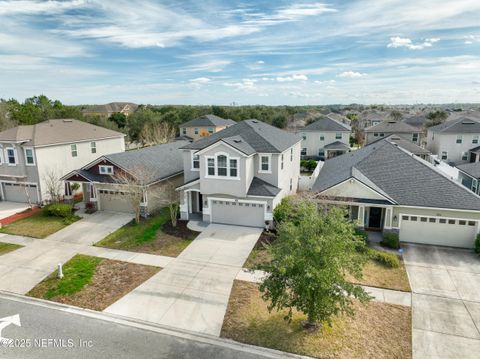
(192, 291)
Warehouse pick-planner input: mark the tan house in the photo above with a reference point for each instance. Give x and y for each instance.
(204, 126)
(127, 108)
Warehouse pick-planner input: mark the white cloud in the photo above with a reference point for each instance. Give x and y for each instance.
(38, 7)
(397, 41)
(351, 74)
(260, 62)
(470, 39)
(297, 77)
(245, 84)
(200, 80)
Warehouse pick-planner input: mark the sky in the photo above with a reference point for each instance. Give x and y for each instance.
(242, 52)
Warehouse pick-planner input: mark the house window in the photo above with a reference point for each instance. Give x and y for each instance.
(464, 156)
(195, 162)
(475, 139)
(29, 159)
(196, 130)
(291, 184)
(322, 137)
(304, 152)
(265, 163)
(211, 166)
(338, 136)
(105, 170)
(415, 137)
(1, 155)
(474, 185)
(375, 134)
(210, 130)
(73, 148)
(222, 165)
(459, 139)
(382, 134)
(11, 158)
(184, 130)
(304, 136)
(93, 147)
(233, 168)
(444, 155)
(291, 154)
(281, 163)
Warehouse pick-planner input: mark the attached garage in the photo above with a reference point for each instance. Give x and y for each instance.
(16, 192)
(238, 213)
(115, 201)
(438, 230)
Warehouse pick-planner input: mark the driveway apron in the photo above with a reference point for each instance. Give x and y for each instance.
(192, 291)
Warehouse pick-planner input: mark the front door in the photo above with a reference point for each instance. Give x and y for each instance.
(200, 202)
(375, 218)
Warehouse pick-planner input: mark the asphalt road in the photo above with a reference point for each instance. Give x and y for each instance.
(50, 331)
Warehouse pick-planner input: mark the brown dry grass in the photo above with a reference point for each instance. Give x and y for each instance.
(378, 330)
(378, 275)
(111, 281)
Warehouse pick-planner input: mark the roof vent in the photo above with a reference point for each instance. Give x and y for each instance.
(237, 141)
(468, 122)
(67, 120)
(254, 121)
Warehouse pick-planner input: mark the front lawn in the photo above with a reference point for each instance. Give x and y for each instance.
(8, 247)
(92, 282)
(153, 235)
(38, 225)
(378, 330)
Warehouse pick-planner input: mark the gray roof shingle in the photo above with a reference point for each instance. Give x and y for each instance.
(337, 145)
(471, 169)
(393, 127)
(249, 137)
(459, 125)
(208, 120)
(406, 179)
(259, 187)
(408, 145)
(326, 124)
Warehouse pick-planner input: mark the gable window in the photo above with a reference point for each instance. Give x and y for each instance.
(265, 163)
(11, 157)
(29, 159)
(196, 130)
(233, 168)
(338, 136)
(211, 166)
(304, 152)
(475, 139)
(106, 170)
(291, 154)
(281, 164)
(459, 139)
(222, 165)
(184, 130)
(444, 155)
(93, 147)
(195, 162)
(322, 137)
(210, 130)
(73, 149)
(415, 137)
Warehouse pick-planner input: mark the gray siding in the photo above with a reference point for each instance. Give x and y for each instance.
(20, 169)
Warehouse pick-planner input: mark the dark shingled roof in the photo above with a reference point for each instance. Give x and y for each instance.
(416, 121)
(337, 145)
(402, 177)
(208, 120)
(393, 127)
(408, 145)
(259, 187)
(459, 125)
(326, 124)
(471, 169)
(249, 137)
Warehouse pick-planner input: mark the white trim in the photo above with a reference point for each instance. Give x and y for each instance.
(73, 142)
(2, 158)
(260, 155)
(72, 150)
(36, 184)
(33, 156)
(14, 156)
(215, 164)
(266, 215)
(444, 209)
(105, 169)
(218, 143)
(192, 156)
(188, 184)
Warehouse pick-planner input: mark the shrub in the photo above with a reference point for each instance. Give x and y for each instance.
(477, 244)
(391, 240)
(387, 259)
(361, 233)
(309, 165)
(63, 210)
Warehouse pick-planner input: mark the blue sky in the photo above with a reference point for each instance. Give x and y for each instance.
(247, 52)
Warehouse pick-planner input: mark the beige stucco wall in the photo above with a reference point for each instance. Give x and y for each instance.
(202, 131)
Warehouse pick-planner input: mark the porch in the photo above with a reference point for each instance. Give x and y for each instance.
(371, 218)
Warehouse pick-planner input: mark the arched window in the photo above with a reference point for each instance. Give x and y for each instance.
(222, 165)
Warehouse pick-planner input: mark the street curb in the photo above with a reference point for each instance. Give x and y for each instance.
(152, 327)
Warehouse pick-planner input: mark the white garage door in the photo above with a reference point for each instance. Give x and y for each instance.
(438, 230)
(115, 201)
(15, 192)
(238, 213)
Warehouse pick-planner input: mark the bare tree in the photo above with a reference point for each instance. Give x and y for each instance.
(157, 133)
(53, 185)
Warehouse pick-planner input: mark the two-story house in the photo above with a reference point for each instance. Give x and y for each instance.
(325, 138)
(455, 141)
(33, 156)
(204, 126)
(391, 127)
(238, 175)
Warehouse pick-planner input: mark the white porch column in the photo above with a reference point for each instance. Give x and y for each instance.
(361, 216)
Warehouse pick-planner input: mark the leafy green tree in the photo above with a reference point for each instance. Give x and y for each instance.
(309, 262)
(396, 115)
(436, 117)
(119, 118)
(279, 120)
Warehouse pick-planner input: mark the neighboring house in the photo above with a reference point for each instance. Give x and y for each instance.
(238, 175)
(410, 147)
(339, 117)
(386, 188)
(33, 155)
(159, 169)
(418, 121)
(204, 126)
(469, 176)
(127, 108)
(371, 118)
(390, 127)
(453, 140)
(325, 138)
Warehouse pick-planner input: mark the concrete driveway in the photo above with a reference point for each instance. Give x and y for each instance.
(445, 303)
(192, 291)
(8, 209)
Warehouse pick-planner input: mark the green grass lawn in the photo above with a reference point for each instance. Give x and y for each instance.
(8, 247)
(37, 225)
(149, 236)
